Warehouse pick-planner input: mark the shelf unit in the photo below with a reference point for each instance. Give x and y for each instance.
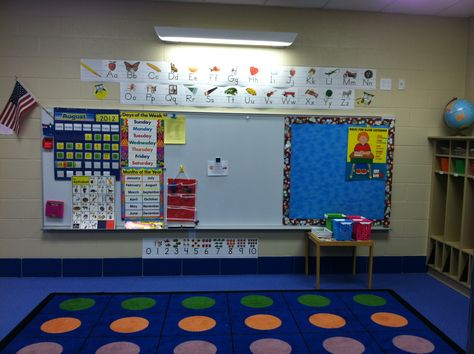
(451, 219)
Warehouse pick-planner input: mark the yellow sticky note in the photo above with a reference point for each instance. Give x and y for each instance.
(175, 130)
(88, 137)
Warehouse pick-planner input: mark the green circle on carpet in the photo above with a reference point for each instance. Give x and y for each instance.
(77, 304)
(138, 303)
(256, 301)
(198, 302)
(314, 300)
(370, 300)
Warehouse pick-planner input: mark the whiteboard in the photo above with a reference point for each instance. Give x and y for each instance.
(251, 196)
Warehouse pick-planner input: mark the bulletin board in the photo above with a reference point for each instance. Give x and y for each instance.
(316, 170)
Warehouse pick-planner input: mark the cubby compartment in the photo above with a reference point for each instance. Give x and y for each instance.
(438, 204)
(446, 259)
(430, 260)
(467, 233)
(442, 164)
(453, 263)
(458, 148)
(470, 167)
(470, 151)
(454, 209)
(457, 166)
(442, 147)
(464, 269)
(438, 255)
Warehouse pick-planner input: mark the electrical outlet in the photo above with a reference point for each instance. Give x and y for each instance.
(385, 84)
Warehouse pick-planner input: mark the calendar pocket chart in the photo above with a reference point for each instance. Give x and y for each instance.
(86, 143)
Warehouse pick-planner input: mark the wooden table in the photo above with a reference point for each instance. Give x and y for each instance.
(333, 243)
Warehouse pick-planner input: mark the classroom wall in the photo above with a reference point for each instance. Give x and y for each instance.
(470, 62)
(42, 42)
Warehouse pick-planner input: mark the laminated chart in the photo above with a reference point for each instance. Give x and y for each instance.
(213, 85)
(93, 202)
(142, 194)
(200, 248)
(142, 139)
(87, 143)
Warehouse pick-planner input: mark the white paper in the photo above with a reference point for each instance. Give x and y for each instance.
(217, 168)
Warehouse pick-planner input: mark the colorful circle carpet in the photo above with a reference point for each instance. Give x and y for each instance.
(261, 322)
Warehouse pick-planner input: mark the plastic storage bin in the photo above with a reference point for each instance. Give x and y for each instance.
(459, 166)
(342, 229)
(362, 229)
(443, 164)
(330, 217)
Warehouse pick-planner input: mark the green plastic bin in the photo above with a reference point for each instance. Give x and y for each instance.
(330, 217)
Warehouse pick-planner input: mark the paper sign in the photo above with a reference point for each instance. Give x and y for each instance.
(217, 168)
(175, 130)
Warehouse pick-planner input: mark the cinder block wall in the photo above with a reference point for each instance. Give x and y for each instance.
(42, 42)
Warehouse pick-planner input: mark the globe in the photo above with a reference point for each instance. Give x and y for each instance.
(459, 114)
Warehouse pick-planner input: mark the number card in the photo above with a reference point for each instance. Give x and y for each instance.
(93, 201)
(200, 248)
(142, 194)
(86, 143)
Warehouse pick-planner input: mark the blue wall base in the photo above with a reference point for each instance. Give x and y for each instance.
(109, 267)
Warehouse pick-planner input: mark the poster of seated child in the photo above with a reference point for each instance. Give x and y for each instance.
(366, 153)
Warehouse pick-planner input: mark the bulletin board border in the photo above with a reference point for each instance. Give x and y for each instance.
(290, 121)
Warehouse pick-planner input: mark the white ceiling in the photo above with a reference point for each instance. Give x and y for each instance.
(454, 8)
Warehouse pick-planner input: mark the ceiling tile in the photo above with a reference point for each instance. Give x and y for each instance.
(419, 7)
(463, 8)
(366, 5)
(297, 3)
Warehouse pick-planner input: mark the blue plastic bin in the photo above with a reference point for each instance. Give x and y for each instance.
(342, 229)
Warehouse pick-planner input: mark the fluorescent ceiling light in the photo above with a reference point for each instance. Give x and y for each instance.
(224, 36)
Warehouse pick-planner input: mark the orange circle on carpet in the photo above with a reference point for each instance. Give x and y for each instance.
(263, 322)
(388, 319)
(197, 323)
(129, 324)
(327, 320)
(60, 325)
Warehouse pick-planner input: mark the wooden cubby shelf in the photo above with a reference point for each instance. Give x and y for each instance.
(451, 225)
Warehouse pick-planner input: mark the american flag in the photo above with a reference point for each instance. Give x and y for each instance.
(20, 101)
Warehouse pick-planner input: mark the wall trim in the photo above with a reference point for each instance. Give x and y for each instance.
(109, 267)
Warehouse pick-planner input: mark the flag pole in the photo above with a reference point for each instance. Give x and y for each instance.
(37, 101)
